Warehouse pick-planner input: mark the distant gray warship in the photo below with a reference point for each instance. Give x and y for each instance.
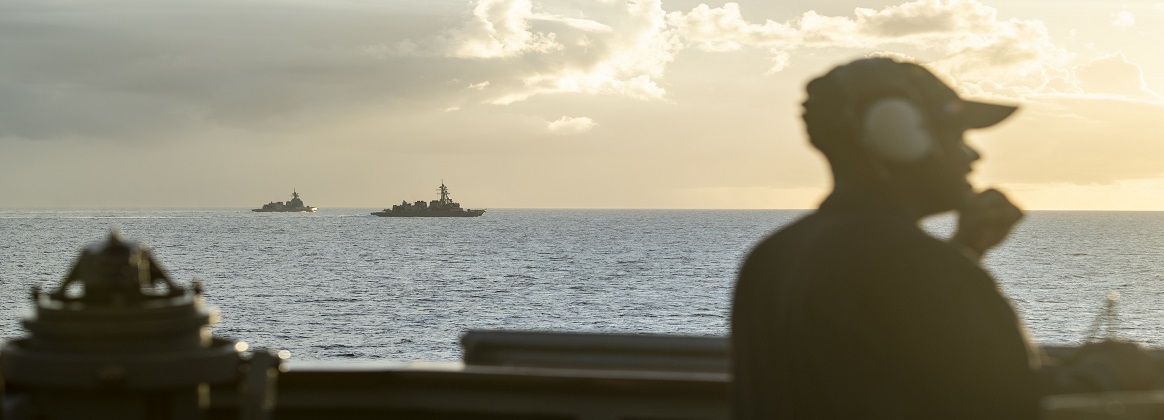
(444, 207)
(295, 205)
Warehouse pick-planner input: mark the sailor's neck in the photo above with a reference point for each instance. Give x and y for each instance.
(875, 196)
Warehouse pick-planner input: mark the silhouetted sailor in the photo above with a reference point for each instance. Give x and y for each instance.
(854, 312)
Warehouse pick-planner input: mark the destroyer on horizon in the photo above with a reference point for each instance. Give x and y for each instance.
(443, 207)
(295, 205)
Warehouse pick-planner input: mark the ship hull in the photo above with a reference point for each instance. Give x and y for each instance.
(469, 213)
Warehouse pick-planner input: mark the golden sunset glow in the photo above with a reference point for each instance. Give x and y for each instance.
(548, 104)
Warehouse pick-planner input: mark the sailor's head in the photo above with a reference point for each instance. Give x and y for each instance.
(895, 121)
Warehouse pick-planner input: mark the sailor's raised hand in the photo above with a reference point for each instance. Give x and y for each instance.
(984, 221)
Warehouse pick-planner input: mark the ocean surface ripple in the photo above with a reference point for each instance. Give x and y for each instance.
(341, 284)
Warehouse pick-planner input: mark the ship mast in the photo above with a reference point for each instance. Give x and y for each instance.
(445, 194)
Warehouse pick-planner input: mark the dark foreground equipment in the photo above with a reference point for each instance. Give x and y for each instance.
(119, 339)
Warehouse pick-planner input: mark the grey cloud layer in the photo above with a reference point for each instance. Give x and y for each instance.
(137, 70)
(140, 69)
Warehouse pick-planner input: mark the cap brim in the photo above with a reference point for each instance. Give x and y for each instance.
(982, 114)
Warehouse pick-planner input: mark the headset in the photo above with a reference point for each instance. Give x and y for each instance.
(895, 130)
(882, 108)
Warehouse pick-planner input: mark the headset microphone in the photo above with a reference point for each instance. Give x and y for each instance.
(895, 130)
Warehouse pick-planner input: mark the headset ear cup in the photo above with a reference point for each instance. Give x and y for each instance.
(894, 129)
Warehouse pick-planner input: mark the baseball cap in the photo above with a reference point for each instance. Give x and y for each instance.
(865, 80)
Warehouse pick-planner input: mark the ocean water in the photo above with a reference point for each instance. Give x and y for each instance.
(341, 284)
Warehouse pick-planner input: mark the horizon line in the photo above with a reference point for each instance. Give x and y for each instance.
(100, 208)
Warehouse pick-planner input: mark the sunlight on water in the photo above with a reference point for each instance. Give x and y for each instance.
(342, 284)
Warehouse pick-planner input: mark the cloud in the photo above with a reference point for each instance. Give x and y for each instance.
(624, 55)
(73, 71)
(1123, 19)
(500, 28)
(920, 23)
(1114, 75)
(615, 48)
(964, 39)
(582, 24)
(725, 29)
(571, 125)
(927, 18)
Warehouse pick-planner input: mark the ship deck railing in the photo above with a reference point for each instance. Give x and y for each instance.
(529, 375)
(559, 375)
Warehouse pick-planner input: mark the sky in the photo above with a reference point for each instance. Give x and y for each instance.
(548, 104)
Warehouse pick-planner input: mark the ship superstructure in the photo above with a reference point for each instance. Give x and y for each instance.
(442, 207)
(295, 205)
